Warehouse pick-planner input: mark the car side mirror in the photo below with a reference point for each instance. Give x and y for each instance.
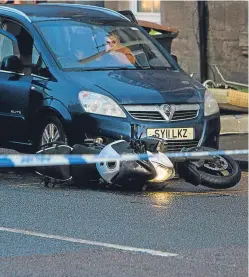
(175, 58)
(12, 64)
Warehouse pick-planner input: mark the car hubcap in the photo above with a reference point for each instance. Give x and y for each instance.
(50, 134)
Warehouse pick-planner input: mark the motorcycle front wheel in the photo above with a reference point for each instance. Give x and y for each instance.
(220, 173)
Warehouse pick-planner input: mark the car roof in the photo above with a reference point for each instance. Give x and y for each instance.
(43, 12)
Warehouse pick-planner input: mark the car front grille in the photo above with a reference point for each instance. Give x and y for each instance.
(147, 115)
(159, 113)
(178, 145)
(184, 115)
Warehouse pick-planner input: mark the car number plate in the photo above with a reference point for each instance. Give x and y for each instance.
(172, 133)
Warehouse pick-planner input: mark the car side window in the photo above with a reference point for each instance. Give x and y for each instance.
(6, 47)
(30, 57)
(38, 65)
(24, 40)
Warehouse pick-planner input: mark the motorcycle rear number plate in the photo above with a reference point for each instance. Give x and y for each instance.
(172, 133)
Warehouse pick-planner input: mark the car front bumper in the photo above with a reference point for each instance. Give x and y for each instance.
(206, 130)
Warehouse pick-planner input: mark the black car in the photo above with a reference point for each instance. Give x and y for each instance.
(70, 72)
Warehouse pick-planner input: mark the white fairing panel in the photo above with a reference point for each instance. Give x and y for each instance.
(161, 159)
(106, 171)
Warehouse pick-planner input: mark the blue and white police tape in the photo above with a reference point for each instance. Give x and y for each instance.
(35, 160)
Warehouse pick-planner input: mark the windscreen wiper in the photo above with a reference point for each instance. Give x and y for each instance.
(161, 67)
(103, 68)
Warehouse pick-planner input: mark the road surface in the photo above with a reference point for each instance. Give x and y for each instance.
(67, 231)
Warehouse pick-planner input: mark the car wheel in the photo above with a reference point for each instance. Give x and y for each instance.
(52, 130)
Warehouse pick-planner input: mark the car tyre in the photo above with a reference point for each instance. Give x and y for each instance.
(52, 129)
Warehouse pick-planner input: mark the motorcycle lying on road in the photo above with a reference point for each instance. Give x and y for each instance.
(217, 172)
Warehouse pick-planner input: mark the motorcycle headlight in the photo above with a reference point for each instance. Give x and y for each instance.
(210, 104)
(100, 104)
(163, 173)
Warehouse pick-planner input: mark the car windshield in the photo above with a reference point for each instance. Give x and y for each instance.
(83, 46)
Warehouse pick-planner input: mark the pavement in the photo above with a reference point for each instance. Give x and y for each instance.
(236, 142)
(234, 134)
(234, 123)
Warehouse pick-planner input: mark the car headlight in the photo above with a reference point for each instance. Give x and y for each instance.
(100, 104)
(210, 104)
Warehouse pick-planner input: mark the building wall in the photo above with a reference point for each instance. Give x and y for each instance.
(178, 15)
(227, 41)
(117, 5)
(228, 38)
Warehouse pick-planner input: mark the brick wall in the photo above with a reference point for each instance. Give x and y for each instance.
(227, 42)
